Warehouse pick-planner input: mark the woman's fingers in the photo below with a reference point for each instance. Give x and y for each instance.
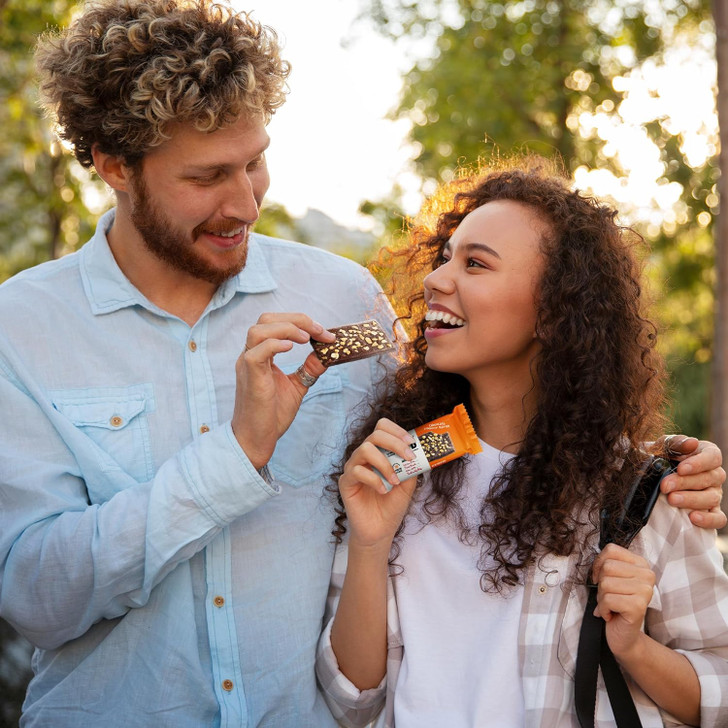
(625, 582)
(370, 455)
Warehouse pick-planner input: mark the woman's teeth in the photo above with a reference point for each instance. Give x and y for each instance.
(445, 318)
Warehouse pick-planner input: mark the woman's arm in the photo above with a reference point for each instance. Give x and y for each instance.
(359, 631)
(625, 589)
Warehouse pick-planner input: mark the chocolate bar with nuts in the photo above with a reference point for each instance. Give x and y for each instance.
(436, 445)
(353, 342)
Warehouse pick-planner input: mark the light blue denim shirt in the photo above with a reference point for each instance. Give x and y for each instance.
(163, 581)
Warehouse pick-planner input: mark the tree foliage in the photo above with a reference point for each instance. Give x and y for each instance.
(516, 73)
(43, 208)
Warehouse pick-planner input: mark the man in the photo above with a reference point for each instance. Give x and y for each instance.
(163, 539)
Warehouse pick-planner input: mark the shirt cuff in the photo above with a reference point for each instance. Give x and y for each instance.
(337, 686)
(712, 672)
(222, 479)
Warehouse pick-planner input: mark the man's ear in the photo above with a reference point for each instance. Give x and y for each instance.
(112, 169)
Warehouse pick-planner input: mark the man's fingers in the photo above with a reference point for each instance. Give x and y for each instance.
(701, 494)
(712, 519)
(313, 365)
(260, 357)
(301, 320)
(677, 445)
(706, 456)
(282, 330)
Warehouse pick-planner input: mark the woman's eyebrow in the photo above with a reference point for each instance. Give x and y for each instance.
(482, 247)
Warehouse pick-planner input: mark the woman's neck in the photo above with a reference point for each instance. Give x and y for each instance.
(502, 411)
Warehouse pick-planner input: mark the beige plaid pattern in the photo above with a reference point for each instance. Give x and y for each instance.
(688, 612)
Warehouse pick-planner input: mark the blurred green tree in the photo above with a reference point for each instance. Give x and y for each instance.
(46, 193)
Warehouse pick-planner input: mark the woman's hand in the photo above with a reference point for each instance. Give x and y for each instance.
(266, 399)
(374, 513)
(625, 589)
(625, 583)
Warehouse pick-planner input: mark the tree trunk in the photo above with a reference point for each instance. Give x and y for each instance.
(719, 412)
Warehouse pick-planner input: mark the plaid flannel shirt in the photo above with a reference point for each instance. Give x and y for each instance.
(688, 612)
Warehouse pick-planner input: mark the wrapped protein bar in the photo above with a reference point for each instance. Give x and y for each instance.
(437, 442)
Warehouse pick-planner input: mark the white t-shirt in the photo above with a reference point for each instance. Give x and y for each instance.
(460, 666)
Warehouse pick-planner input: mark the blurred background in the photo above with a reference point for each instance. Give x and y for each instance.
(390, 97)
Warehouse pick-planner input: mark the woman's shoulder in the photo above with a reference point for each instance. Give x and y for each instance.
(670, 536)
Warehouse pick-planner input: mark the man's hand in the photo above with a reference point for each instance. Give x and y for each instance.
(698, 483)
(266, 399)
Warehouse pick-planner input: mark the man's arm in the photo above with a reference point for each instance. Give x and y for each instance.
(68, 560)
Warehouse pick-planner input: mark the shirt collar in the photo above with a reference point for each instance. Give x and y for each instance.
(108, 289)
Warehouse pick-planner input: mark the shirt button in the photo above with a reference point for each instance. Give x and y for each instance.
(542, 589)
(116, 421)
(218, 601)
(204, 429)
(227, 685)
(193, 345)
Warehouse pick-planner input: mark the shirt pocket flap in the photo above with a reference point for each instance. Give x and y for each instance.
(111, 414)
(109, 427)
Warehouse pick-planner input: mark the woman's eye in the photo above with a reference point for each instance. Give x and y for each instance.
(472, 263)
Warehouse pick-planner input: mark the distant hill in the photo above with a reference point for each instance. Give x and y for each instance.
(317, 228)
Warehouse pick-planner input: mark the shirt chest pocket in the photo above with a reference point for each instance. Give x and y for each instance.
(110, 428)
(312, 443)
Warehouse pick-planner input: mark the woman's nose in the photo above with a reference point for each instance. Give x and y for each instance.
(440, 279)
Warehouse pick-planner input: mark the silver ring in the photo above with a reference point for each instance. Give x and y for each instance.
(304, 377)
(668, 447)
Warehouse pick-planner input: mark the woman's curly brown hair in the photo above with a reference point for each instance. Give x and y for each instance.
(600, 380)
(126, 69)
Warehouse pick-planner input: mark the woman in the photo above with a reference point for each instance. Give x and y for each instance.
(459, 602)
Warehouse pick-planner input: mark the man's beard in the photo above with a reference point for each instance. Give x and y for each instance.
(170, 245)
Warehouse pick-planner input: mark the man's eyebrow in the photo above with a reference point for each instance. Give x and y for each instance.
(214, 166)
(203, 168)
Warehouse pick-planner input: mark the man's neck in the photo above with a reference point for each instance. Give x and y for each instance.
(174, 291)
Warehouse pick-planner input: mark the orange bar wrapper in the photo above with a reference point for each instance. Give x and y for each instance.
(437, 442)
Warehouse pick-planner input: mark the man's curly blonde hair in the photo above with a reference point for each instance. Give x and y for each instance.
(126, 69)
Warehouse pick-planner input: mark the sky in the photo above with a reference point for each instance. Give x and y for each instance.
(331, 145)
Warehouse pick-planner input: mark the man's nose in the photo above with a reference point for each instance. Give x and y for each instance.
(242, 200)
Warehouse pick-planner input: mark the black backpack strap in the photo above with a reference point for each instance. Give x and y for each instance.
(587, 662)
(592, 654)
(623, 706)
(593, 651)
